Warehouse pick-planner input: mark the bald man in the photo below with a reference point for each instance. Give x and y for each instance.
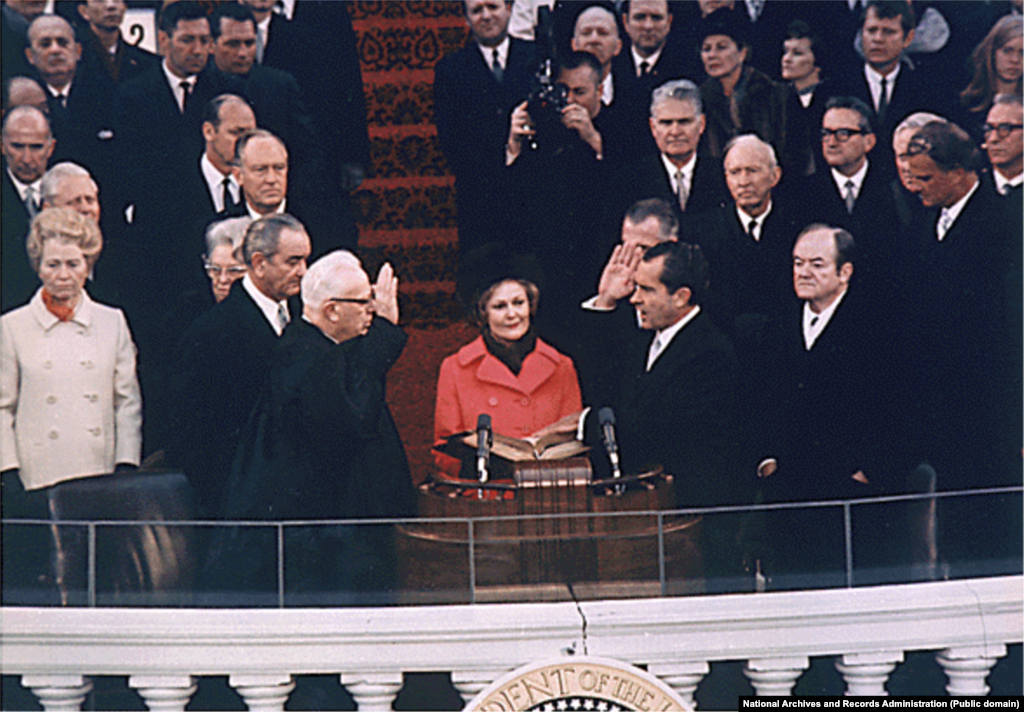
(79, 108)
(27, 146)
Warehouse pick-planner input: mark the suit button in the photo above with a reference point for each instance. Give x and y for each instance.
(91, 397)
(96, 432)
(525, 401)
(88, 364)
(51, 399)
(492, 401)
(47, 364)
(54, 435)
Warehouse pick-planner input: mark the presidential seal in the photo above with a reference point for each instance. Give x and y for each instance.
(578, 684)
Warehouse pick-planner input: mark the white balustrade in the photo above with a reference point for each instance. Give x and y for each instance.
(968, 623)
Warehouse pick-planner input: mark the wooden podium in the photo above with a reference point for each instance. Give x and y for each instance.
(534, 537)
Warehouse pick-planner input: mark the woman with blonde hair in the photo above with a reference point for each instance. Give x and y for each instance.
(70, 405)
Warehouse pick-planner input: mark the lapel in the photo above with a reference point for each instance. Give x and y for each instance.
(651, 385)
(537, 368)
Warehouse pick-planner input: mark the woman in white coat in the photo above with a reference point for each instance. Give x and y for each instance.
(70, 405)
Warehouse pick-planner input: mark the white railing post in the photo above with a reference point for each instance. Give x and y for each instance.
(58, 692)
(867, 673)
(682, 677)
(373, 691)
(967, 668)
(469, 683)
(266, 693)
(164, 692)
(775, 676)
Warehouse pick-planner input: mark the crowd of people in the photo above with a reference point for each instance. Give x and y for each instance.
(783, 240)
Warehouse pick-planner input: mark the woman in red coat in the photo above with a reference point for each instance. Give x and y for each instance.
(507, 372)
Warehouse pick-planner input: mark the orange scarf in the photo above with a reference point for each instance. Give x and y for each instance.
(61, 311)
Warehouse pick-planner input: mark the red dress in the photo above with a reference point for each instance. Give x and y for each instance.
(473, 381)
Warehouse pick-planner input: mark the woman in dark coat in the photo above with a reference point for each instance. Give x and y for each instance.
(739, 99)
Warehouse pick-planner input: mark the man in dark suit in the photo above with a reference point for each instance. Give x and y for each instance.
(473, 96)
(79, 110)
(322, 443)
(647, 62)
(228, 117)
(747, 243)
(159, 115)
(262, 170)
(225, 355)
(27, 147)
(104, 51)
(14, 21)
(829, 386)
(273, 94)
(321, 36)
(854, 193)
(957, 311)
(1004, 144)
(690, 182)
(673, 392)
(886, 83)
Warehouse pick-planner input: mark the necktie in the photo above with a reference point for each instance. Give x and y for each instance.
(883, 100)
(945, 221)
(261, 43)
(282, 316)
(186, 87)
(849, 197)
(228, 198)
(645, 67)
(751, 227)
(30, 203)
(681, 190)
(653, 352)
(496, 67)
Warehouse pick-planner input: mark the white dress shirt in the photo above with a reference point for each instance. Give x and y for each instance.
(268, 306)
(607, 90)
(488, 54)
(759, 226)
(664, 337)
(688, 168)
(256, 216)
(814, 324)
(651, 61)
(857, 178)
(1004, 184)
(215, 183)
(955, 209)
(875, 83)
(22, 188)
(175, 83)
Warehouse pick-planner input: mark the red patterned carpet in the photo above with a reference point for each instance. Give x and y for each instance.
(406, 207)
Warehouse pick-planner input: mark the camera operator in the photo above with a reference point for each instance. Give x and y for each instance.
(557, 166)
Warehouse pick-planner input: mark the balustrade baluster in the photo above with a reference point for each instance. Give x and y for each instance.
(775, 676)
(373, 691)
(681, 677)
(58, 692)
(266, 693)
(967, 668)
(164, 692)
(867, 673)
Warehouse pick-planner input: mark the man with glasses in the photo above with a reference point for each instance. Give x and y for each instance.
(854, 194)
(1004, 143)
(224, 356)
(322, 445)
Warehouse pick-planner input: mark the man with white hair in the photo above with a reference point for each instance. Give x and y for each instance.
(322, 443)
(68, 185)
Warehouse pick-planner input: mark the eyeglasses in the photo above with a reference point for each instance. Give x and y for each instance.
(349, 300)
(842, 135)
(215, 272)
(1002, 130)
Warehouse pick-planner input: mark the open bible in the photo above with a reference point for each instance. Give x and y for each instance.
(553, 446)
